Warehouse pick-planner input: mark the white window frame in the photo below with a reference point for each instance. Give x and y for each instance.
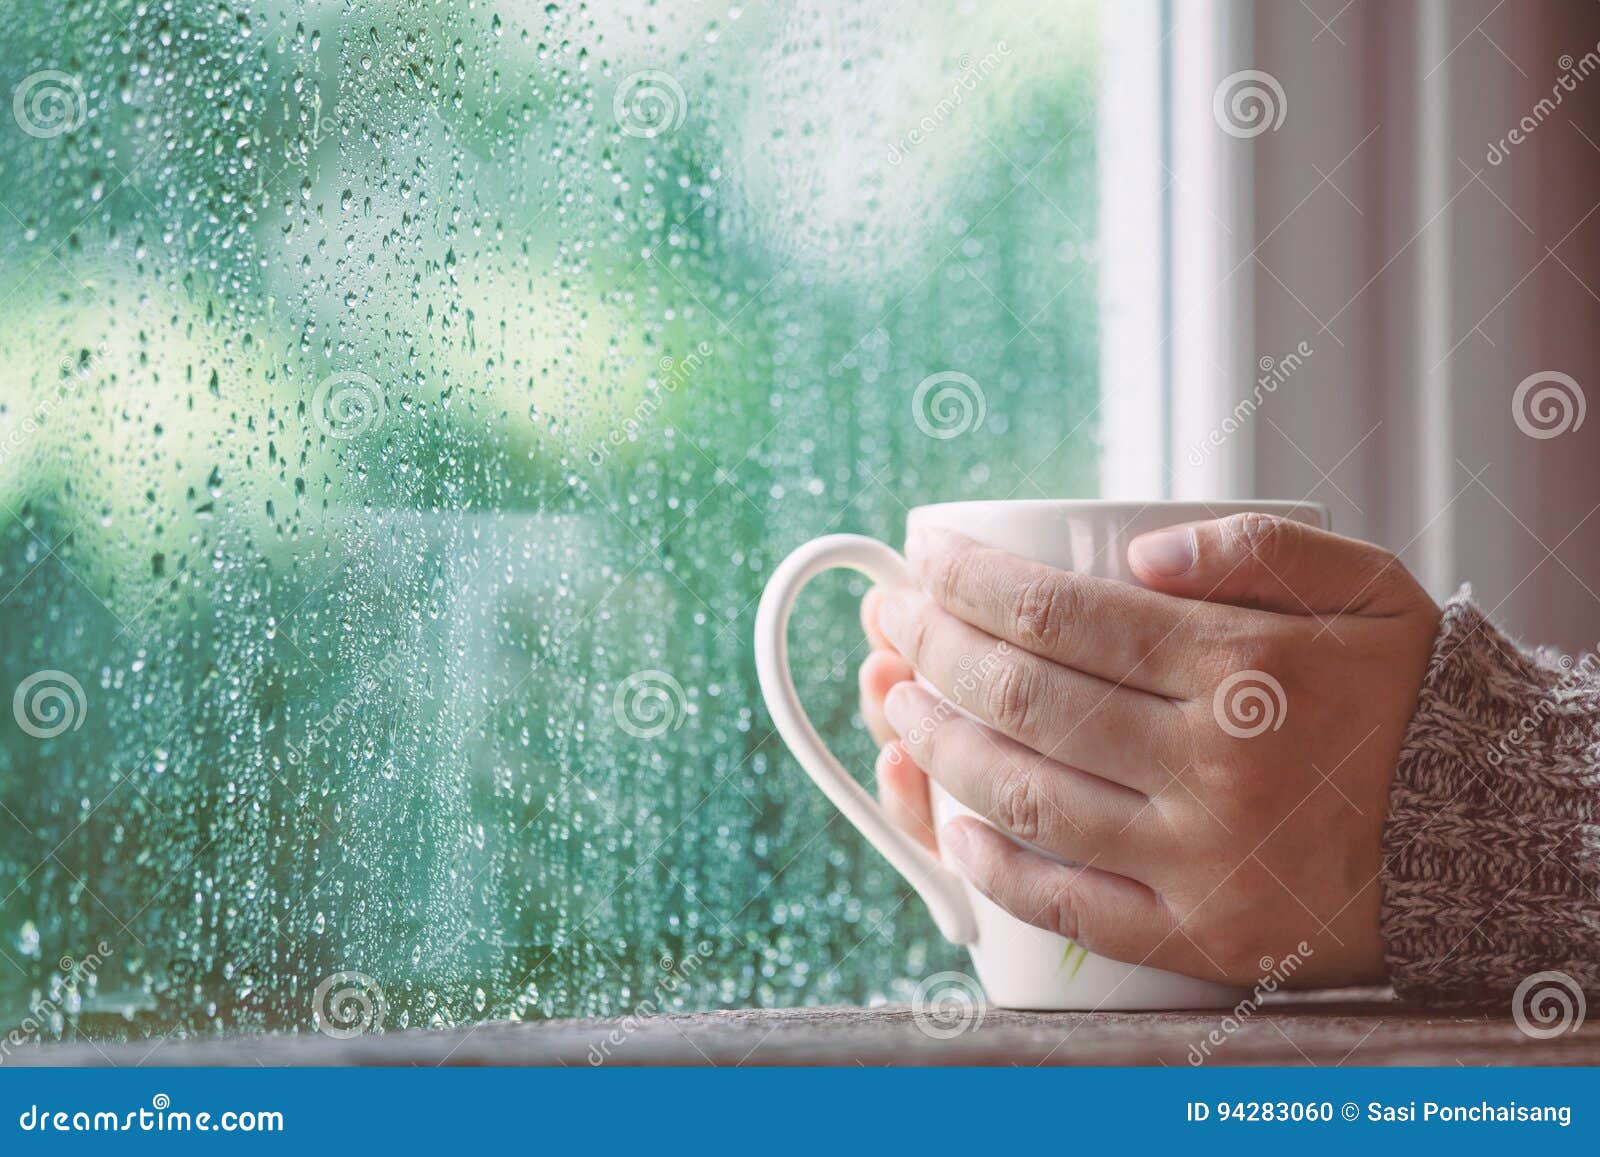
(1176, 326)
(1131, 149)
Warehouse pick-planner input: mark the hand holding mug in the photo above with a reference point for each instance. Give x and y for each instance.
(1195, 770)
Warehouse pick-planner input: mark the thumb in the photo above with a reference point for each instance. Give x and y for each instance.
(1273, 564)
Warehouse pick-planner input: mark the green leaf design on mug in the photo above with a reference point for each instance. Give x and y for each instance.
(1083, 954)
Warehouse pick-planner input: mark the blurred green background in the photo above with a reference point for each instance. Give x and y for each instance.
(401, 405)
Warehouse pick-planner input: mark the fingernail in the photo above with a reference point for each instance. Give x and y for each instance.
(900, 707)
(953, 841)
(1165, 552)
(891, 609)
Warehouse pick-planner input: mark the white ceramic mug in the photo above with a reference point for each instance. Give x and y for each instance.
(1020, 966)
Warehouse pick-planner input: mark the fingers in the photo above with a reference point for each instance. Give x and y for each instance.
(869, 620)
(1065, 811)
(1110, 915)
(903, 791)
(1274, 564)
(880, 671)
(1114, 630)
(1115, 732)
(902, 786)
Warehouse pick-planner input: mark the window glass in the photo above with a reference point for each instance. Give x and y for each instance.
(402, 406)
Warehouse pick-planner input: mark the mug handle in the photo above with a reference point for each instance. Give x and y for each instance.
(939, 888)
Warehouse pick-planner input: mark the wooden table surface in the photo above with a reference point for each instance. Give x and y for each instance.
(1347, 1028)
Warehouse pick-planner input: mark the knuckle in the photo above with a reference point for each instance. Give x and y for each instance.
(919, 627)
(945, 572)
(1154, 649)
(1254, 534)
(1065, 913)
(1042, 609)
(1009, 698)
(1233, 951)
(1217, 948)
(1254, 651)
(1017, 802)
(1386, 574)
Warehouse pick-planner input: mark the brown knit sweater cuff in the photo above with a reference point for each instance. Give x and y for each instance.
(1492, 848)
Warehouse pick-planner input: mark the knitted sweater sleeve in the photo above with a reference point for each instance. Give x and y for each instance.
(1492, 844)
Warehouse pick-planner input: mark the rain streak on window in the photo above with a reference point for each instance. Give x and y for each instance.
(402, 406)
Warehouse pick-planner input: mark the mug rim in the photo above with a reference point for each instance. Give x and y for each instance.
(1221, 506)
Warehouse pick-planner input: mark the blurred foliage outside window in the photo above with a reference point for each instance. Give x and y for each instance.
(402, 406)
